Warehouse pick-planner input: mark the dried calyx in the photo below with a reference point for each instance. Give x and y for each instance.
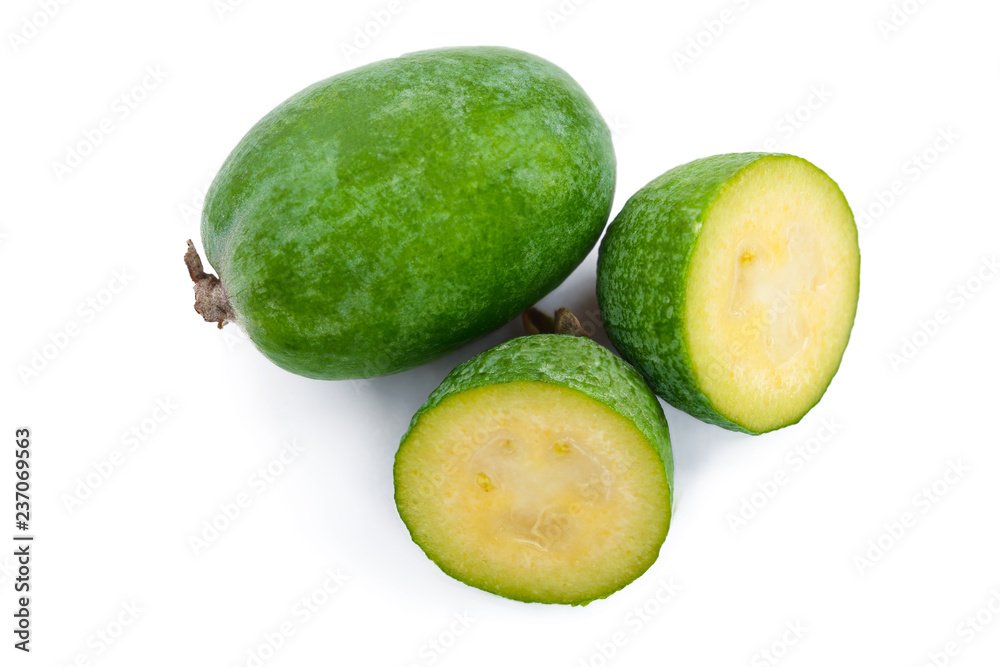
(565, 322)
(210, 297)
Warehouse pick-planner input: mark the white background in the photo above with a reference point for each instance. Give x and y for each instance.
(879, 99)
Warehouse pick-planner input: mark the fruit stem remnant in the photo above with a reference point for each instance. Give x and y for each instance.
(565, 322)
(211, 300)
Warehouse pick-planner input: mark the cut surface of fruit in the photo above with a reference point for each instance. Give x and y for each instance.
(534, 491)
(731, 283)
(539, 470)
(771, 293)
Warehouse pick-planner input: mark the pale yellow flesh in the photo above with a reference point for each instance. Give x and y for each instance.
(533, 491)
(772, 293)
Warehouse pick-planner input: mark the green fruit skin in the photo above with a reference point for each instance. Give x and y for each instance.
(569, 361)
(384, 217)
(646, 256)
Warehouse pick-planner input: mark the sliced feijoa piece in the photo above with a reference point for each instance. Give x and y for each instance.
(731, 283)
(540, 470)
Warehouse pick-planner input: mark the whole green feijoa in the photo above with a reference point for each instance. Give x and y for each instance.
(731, 283)
(384, 217)
(540, 470)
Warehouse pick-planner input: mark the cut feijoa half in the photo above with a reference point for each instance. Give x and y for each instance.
(540, 470)
(731, 283)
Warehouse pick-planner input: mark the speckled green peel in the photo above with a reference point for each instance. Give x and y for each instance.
(386, 216)
(592, 373)
(645, 286)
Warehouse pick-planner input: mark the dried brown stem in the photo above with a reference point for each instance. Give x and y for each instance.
(565, 322)
(211, 300)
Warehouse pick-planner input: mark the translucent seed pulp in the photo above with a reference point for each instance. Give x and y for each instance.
(770, 289)
(542, 486)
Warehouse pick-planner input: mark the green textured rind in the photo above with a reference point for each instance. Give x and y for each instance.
(568, 361)
(645, 258)
(384, 217)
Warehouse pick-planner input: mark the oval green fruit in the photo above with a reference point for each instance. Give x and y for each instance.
(386, 216)
(540, 470)
(731, 283)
